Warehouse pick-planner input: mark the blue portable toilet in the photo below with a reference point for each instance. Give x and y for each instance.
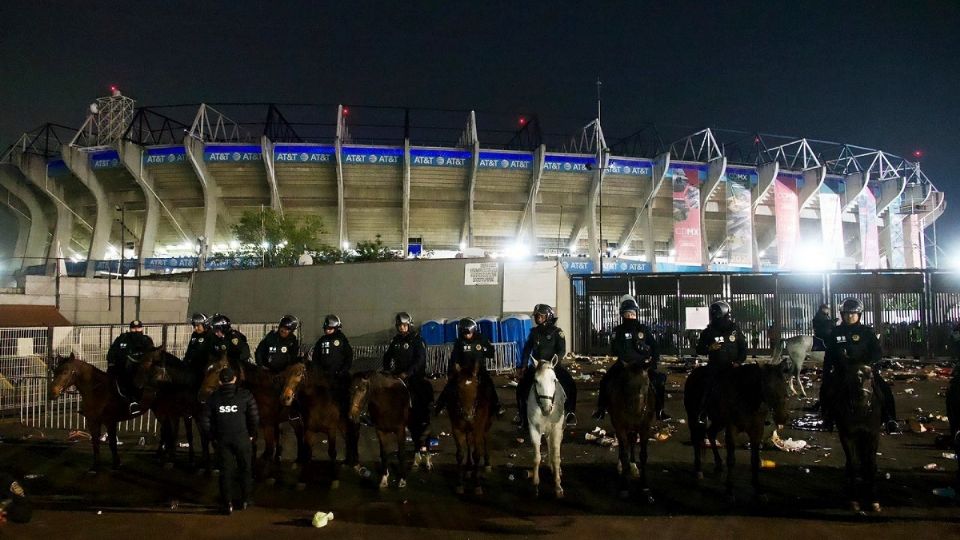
(432, 332)
(516, 328)
(450, 330)
(490, 327)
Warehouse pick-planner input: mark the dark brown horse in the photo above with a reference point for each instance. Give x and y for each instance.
(322, 412)
(746, 396)
(632, 412)
(470, 420)
(387, 400)
(855, 406)
(102, 403)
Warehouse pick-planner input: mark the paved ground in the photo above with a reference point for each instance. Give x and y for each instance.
(805, 489)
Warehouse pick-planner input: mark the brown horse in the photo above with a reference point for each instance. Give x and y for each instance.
(632, 412)
(470, 420)
(747, 395)
(387, 400)
(102, 403)
(322, 412)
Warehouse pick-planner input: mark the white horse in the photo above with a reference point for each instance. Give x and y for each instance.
(545, 418)
(798, 349)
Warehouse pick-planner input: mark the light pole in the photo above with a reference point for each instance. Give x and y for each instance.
(123, 245)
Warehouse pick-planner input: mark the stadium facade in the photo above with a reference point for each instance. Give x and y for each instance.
(695, 203)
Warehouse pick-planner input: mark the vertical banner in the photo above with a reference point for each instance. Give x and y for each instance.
(787, 219)
(913, 238)
(739, 225)
(869, 236)
(895, 226)
(686, 215)
(831, 225)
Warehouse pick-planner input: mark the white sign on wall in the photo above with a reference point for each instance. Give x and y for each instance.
(697, 318)
(481, 273)
(25, 346)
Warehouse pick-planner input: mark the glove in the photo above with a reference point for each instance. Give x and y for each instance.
(714, 347)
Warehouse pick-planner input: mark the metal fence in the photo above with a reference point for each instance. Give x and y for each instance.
(912, 311)
(367, 357)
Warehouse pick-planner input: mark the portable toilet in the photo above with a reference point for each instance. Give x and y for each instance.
(516, 328)
(432, 332)
(490, 327)
(450, 330)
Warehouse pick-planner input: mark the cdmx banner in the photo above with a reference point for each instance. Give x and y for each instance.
(831, 224)
(686, 213)
(787, 219)
(739, 223)
(869, 235)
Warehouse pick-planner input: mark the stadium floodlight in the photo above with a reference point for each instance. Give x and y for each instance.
(463, 246)
(517, 251)
(811, 257)
(234, 244)
(265, 244)
(346, 245)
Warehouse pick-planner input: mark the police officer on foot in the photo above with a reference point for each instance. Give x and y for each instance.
(406, 359)
(725, 347)
(471, 348)
(823, 325)
(231, 419)
(333, 356)
(852, 344)
(230, 340)
(122, 361)
(632, 342)
(280, 347)
(200, 347)
(545, 341)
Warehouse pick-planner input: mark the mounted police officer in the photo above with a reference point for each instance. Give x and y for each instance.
(280, 347)
(333, 356)
(632, 342)
(545, 341)
(406, 359)
(823, 325)
(226, 338)
(231, 418)
(725, 347)
(200, 347)
(852, 344)
(471, 348)
(122, 360)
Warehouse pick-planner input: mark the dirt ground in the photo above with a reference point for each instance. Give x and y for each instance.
(806, 496)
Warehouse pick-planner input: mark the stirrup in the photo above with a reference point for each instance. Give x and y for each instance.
(571, 419)
(134, 408)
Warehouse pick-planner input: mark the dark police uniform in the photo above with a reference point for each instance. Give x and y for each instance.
(199, 349)
(848, 346)
(466, 353)
(119, 365)
(725, 346)
(822, 326)
(231, 418)
(276, 353)
(545, 341)
(333, 356)
(235, 344)
(13, 500)
(633, 342)
(406, 356)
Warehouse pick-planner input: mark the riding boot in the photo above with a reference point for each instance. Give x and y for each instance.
(601, 412)
(442, 399)
(659, 392)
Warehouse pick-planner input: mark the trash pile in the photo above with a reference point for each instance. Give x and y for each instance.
(788, 445)
(599, 437)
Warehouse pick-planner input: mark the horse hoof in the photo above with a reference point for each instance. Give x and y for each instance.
(536, 491)
(634, 470)
(402, 483)
(650, 499)
(301, 486)
(168, 466)
(459, 490)
(875, 507)
(384, 482)
(624, 493)
(335, 484)
(559, 493)
(854, 506)
(478, 490)
(215, 472)
(488, 469)
(270, 481)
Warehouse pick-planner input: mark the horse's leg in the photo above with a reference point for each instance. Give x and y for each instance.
(624, 464)
(460, 440)
(174, 437)
(717, 460)
(553, 445)
(95, 432)
(870, 469)
(112, 440)
(696, 440)
(475, 462)
(643, 467)
(278, 446)
(163, 439)
(402, 466)
(632, 437)
(332, 456)
(353, 443)
(305, 446)
(205, 448)
(851, 470)
(535, 440)
(384, 465)
(188, 432)
(755, 436)
(730, 442)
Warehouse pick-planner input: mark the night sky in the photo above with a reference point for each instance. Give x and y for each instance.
(877, 74)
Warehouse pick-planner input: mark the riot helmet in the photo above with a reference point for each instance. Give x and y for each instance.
(289, 322)
(550, 316)
(628, 304)
(851, 305)
(220, 322)
(402, 318)
(719, 310)
(467, 326)
(199, 319)
(331, 321)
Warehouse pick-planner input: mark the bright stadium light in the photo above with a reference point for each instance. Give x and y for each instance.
(346, 245)
(812, 258)
(463, 246)
(234, 244)
(265, 244)
(517, 251)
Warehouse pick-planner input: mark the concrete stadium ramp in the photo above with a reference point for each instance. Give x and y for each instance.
(306, 187)
(438, 199)
(373, 195)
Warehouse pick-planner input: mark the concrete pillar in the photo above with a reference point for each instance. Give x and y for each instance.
(34, 168)
(211, 194)
(23, 236)
(405, 197)
(590, 212)
(528, 219)
(268, 163)
(466, 232)
(854, 185)
(341, 206)
(812, 181)
(131, 155)
(644, 214)
(79, 164)
(767, 174)
(36, 245)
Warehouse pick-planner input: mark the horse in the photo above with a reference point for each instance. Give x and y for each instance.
(632, 412)
(102, 402)
(387, 400)
(545, 418)
(953, 414)
(261, 384)
(746, 396)
(798, 349)
(470, 421)
(175, 387)
(856, 410)
(322, 412)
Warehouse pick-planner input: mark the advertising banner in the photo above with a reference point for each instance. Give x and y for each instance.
(739, 241)
(289, 153)
(787, 219)
(686, 213)
(831, 226)
(869, 235)
(165, 155)
(225, 153)
(896, 258)
(506, 160)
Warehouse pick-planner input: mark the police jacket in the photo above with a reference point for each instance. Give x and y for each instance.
(276, 353)
(13, 500)
(633, 342)
(543, 342)
(852, 344)
(333, 354)
(199, 349)
(467, 352)
(231, 414)
(723, 343)
(234, 343)
(406, 354)
(823, 325)
(127, 344)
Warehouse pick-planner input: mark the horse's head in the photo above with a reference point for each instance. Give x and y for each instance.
(211, 378)
(861, 394)
(150, 368)
(468, 384)
(65, 374)
(545, 385)
(292, 377)
(773, 389)
(359, 394)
